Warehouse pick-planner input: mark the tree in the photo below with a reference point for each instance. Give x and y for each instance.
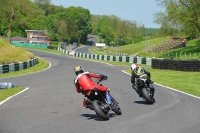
(8, 13)
(79, 18)
(61, 30)
(180, 15)
(17, 16)
(44, 4)
(94, 23)
(53, 9)
(72, 30)
(82, 19)
(107, 34)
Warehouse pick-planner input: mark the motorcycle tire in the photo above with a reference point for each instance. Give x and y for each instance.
(116, 109)
(97, 105)
(146, 96)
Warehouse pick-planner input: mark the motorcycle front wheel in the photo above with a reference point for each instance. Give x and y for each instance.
(116, 109)
(147, 96)
(100, 111)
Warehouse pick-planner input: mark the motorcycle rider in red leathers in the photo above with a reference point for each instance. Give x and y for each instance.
(84, 84)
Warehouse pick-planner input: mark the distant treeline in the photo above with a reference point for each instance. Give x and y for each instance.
(71, 24)
(116, 31)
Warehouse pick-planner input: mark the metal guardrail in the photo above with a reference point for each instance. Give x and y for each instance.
(6, 68)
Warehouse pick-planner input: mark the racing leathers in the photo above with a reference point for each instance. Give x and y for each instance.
(84, 84)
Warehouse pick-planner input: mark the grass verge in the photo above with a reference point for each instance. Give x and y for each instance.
(6, 93)
(10, 54)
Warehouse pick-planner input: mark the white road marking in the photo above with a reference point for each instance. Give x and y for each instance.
(13, 95)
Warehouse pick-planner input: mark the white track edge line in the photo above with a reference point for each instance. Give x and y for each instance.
(13, 95)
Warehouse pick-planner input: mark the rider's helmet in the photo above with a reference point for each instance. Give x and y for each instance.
(133, 66)
(79, 69)
(137, 70)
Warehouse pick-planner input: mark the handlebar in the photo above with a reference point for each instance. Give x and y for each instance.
(145, 80)
(99, 80)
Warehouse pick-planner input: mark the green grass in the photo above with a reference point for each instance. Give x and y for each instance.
(97, 51)
(190, 52)
(5, 93)
(54, 44)
(194, 42)
(10, 54)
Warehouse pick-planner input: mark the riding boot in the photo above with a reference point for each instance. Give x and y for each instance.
(138, 92)
(91, 107)
(86, 104)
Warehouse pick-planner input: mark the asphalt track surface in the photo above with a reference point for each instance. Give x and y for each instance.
(52, 105)
(92, 41)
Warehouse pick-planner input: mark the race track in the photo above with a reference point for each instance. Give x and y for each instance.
(91, 43)
(52, 105)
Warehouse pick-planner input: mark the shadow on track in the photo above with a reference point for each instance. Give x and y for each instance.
(90, 43)
(142, 102)
(95, 117)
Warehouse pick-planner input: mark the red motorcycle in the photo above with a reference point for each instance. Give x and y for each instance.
(99, 103)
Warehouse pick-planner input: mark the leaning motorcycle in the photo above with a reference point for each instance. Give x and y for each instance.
(145, 86)
(98, 101)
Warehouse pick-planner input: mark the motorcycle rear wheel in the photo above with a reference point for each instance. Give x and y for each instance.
(98, 107)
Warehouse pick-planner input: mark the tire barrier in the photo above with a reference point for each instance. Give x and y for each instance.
(130, 59)
(6, 68)
(178, 65)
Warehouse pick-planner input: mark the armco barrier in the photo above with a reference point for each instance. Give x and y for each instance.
(178, 65)
(139, 60)
(18, 66)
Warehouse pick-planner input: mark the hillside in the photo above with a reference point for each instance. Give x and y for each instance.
(143, 49)
(10, 54)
